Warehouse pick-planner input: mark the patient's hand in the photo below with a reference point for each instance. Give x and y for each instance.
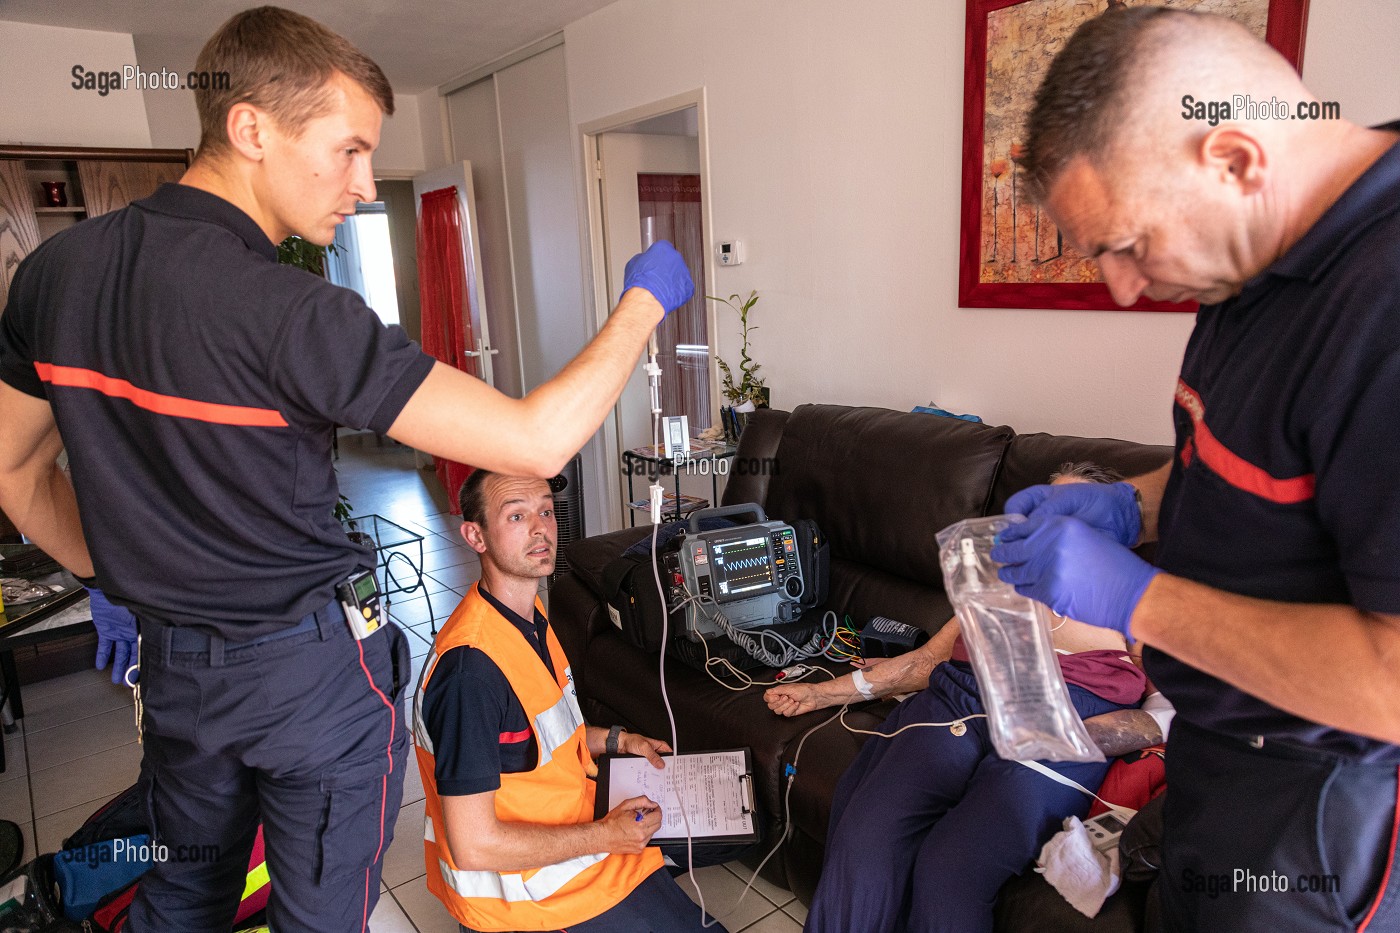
(796, 699)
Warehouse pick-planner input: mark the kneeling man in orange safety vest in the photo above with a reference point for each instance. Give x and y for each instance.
(507, 759)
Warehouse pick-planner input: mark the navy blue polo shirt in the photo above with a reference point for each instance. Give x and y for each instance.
(1286, 480)
(478, 726)
(196, 383)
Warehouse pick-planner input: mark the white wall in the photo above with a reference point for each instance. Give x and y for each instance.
(39, 105)
(400, 151)
(173, 120)
(835, 150)
(431, 130)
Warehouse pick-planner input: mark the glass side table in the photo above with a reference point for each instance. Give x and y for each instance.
(645, 461)
(391, 542)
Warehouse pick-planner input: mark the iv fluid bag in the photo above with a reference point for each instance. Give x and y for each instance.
(1029, 713)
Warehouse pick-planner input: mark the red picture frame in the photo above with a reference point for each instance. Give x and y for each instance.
(1284, 30)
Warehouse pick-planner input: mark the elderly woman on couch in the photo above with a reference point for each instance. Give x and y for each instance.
(926, 826)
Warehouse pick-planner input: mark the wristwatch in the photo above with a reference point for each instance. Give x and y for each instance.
(613, 735)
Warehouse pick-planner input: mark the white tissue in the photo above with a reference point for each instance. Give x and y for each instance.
(1084, 876)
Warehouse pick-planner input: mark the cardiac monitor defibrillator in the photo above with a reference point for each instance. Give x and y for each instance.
(749, 576)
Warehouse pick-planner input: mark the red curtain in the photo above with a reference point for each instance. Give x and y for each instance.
(446, 310)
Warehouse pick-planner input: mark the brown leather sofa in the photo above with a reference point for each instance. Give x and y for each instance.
(880, 484)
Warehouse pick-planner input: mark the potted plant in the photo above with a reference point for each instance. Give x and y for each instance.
(748, 391)
(294, 251)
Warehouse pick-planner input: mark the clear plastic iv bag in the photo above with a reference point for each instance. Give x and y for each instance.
(1029, 713)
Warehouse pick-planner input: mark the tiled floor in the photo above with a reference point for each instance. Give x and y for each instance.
(76, 745)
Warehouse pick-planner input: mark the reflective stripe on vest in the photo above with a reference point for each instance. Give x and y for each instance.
(514, 887)
(420, 731)
(557, 725)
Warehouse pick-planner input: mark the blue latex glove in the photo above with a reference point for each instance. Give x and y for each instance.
(661, 271)
(1112, 508)
(1075, 570)
(116, 635)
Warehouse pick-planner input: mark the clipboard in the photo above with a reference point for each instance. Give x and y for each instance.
(719, 793)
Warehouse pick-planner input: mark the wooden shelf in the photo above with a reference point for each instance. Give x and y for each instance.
(60, 210)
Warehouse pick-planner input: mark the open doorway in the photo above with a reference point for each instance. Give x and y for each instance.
(363, 259)
(650, 184)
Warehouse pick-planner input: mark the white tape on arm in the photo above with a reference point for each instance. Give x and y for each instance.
(1160, 709)
(862, 685)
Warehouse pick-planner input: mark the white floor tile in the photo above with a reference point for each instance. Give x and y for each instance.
(84, 779)
(796, 910)
(14, 798)
(404, 860)
(388, 917)
(56, 827)
(412, 782)
(46, 688)
(458, 577)
(97, 695)
(449, 557)
(425, 910)
(776, 922)
(722, 890)
(80, 738)
(778, 896)
(16, 761)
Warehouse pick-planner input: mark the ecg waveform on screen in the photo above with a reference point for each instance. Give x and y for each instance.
(746, 562)
(744, 566)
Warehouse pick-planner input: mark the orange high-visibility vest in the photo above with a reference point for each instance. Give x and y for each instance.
(556, 792)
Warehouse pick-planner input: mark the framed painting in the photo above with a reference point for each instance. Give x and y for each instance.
(1011, 254)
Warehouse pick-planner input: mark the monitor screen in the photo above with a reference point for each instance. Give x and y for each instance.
(742, 567)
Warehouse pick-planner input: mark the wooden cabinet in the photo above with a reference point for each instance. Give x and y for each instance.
(95, 180)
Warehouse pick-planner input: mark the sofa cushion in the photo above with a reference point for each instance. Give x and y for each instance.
(1031, 459)
(864, 592)
(755, 461)
(881, 483)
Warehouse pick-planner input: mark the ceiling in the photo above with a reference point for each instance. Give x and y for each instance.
(419, 43)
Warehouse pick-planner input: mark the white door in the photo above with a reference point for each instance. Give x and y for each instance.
(459, 176)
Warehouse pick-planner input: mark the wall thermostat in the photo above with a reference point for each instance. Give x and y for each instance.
(731, 253)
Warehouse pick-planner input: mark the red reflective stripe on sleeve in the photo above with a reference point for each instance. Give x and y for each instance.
(172, 405)
(1234, 469)
(520, 736)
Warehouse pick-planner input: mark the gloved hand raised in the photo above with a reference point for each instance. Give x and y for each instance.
(1112, 509)
(1076, 570)
(116, 635)
(661, 271)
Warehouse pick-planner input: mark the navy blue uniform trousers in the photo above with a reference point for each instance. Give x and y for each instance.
(927, 826)
(1275, 837)
(304, 731)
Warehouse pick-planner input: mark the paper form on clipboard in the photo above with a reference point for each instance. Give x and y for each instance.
(715, 787)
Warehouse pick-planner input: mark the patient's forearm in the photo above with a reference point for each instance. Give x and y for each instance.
(1123, 731)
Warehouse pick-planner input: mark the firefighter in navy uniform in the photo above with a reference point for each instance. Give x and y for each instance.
(195, 384)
